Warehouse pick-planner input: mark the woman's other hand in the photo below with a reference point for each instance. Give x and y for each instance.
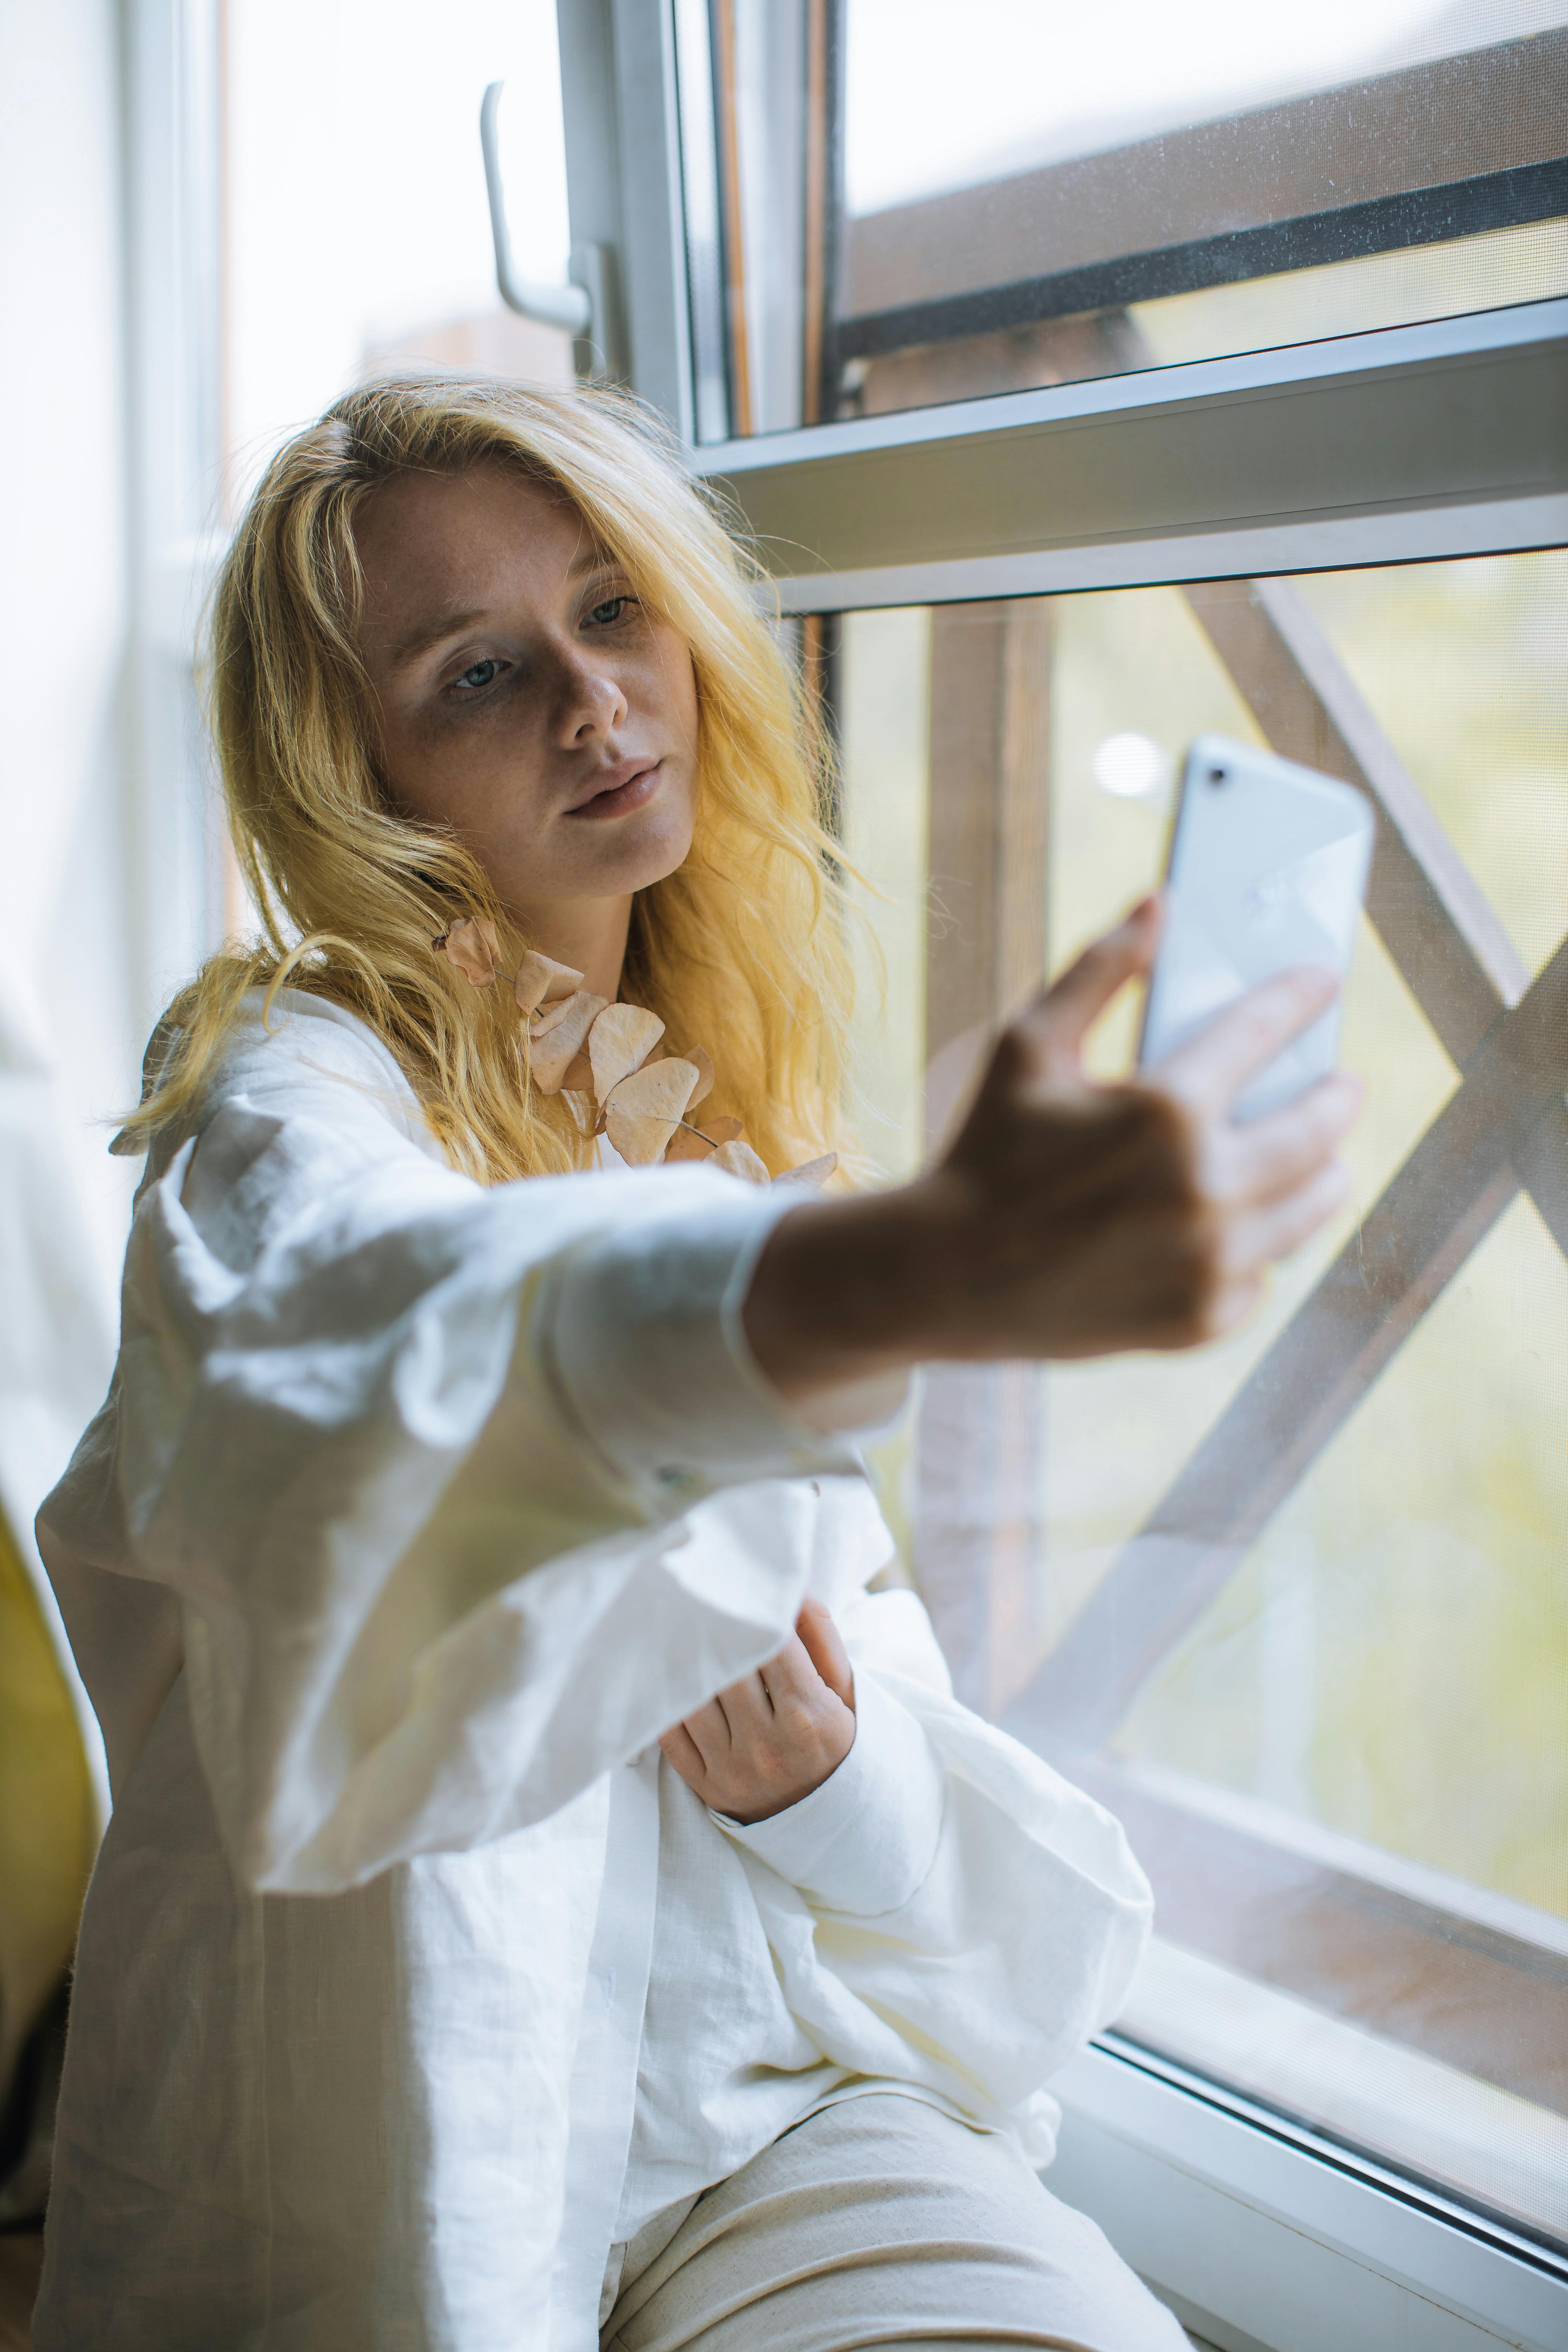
(1069, 1218)
(776, 1735)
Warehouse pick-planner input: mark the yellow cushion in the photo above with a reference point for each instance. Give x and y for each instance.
(48, 1826)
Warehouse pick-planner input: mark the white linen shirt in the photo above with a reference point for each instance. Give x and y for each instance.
(411, 1977)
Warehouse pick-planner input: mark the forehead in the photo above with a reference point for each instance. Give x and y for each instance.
(432, 541)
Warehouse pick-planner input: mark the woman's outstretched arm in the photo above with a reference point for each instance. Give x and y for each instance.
(1069, 1218)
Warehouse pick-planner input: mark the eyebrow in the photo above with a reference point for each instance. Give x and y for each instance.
(430, 633)
(452, 622)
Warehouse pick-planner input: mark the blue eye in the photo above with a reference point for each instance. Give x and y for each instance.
(610, 611)
(479, 675)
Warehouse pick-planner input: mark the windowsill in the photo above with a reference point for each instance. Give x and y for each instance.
(1259, 2243)
(1465, 2135)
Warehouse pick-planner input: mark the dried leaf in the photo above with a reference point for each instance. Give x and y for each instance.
(812, 1173)
(559, 1038)
(580, 1077)
(542, 981)
(644, 1111)
(624, 1036)
(737, 1159)
(704, 1086)
(689, 1143)
(549, 1016)
(472, 945)
(700, 1143)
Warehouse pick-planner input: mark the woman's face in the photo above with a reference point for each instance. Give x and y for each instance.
(526, 698)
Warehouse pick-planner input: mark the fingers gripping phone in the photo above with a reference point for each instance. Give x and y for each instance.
(1267, 869)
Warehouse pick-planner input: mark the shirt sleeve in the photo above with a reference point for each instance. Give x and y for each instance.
(463, 1495)
(650, 1351)
(864, 1840)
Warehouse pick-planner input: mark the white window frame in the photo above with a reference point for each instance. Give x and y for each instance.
(1258, 2238)
(176, 882)
(1415, 443)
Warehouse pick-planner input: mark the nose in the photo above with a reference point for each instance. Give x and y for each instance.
(589, 703)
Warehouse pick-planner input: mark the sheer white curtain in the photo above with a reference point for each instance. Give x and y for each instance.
(73, 986)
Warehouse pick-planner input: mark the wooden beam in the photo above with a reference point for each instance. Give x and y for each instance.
(989, 795)
(979, 1516)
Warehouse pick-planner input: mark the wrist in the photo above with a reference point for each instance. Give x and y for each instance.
(769, 1806)
(841, 1295)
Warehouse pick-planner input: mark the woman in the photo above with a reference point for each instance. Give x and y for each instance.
(547, 1890)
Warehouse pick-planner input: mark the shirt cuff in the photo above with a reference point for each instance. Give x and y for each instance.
(865, 1841)
(650, 1351)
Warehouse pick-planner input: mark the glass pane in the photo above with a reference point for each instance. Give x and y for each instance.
(914, 203)
(358, 227)
(1292, 1605)
(1503, 706)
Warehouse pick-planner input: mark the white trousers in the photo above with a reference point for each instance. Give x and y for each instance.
(881, 2221)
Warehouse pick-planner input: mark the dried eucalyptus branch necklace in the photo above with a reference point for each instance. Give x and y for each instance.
(609, 1065)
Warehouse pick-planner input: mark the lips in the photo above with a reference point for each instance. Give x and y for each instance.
(614, 791)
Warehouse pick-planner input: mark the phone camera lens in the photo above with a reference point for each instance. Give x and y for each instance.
(1218, 775)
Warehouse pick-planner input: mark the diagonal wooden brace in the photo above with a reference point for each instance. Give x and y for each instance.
(1459, 962)
(1448, 1194)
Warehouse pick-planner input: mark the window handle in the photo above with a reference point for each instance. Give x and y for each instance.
(571, 307)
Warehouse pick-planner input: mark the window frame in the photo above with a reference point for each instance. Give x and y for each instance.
(1257, 2236)
(1410, 443)
(180, 896)
(1406, 444)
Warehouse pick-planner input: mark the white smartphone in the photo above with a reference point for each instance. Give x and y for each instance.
(1267, 869)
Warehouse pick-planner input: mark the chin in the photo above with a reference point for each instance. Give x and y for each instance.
(652, 844)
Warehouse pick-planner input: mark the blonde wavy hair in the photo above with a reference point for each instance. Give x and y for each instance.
(741, 948)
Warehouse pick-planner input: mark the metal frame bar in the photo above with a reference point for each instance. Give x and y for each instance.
(620, 105)
(773, 464)
(1402, 445)
(1436, 216)
(175, 67)
(1429, 535)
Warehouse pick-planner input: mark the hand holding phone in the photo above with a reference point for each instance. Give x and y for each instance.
(1069, 1216)
(1267, 869)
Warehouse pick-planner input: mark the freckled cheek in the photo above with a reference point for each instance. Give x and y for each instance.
(471, 775)
(665, 683)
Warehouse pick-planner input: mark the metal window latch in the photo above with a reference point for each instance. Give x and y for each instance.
(587, 312)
